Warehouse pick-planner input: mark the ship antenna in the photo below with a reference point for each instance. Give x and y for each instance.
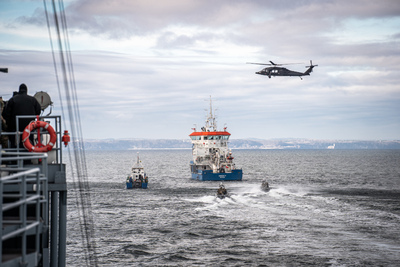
(211, 115)
(211, 122)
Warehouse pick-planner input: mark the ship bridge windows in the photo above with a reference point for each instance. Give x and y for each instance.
(210, 137)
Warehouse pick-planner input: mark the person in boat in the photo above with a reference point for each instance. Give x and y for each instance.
(265, 186)
(221, 190)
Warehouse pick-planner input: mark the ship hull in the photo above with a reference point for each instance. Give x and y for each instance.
(135, 184)
(208, 175)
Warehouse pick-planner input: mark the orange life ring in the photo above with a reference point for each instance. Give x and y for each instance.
(39, 147)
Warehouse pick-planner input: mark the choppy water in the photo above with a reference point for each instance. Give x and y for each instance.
(326, 208)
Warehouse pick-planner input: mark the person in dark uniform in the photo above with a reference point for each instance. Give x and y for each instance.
(20, 104)
(3, 138)
(221, 190)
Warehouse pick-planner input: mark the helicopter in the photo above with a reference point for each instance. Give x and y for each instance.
(280, 71)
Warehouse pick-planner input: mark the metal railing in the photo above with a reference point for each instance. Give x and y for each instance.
(23, 188)
(28, 181)
(55, 121)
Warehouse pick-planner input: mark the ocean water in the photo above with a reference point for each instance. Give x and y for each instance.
(325, 208)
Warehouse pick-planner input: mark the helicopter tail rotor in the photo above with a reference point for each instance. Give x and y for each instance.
(311, 65)
(310, 68)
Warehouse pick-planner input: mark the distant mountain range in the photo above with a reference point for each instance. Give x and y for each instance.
(134, 144)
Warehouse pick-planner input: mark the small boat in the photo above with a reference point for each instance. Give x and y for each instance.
(138, 178)
(222, 192)
(265, 186)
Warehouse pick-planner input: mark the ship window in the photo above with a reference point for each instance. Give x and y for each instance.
(205, 138)
(211, 138)
(193, 137)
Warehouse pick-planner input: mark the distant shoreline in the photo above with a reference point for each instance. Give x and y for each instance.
(294, 144)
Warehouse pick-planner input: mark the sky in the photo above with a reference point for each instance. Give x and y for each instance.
(146, 69)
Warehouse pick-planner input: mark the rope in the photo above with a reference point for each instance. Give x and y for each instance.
(81, 185)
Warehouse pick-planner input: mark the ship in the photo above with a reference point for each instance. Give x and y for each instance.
(33, 191)
(138, 178)
(33, 179)
(212, 159)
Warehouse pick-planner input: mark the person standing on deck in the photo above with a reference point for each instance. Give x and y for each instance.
(20, 104)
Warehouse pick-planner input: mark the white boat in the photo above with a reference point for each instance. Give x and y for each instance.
(137, 178)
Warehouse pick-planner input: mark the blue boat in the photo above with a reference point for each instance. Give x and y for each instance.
(212, 159)
(138, 178)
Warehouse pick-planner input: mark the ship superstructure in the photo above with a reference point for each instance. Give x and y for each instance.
(138, 178)
(212, 158)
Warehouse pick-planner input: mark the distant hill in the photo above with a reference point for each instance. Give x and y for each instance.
(134, 144)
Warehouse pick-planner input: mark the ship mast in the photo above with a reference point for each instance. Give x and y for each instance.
(211, 122)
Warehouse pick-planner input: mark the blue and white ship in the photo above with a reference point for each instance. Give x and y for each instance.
(212, 159)
(138, 178)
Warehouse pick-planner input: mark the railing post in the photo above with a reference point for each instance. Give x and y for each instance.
(63, 229)
(54, 229)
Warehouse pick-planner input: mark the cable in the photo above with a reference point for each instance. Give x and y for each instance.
(81, 186)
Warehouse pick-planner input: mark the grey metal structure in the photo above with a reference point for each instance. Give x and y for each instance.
(34, 204)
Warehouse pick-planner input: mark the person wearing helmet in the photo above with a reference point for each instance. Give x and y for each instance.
(221, 190)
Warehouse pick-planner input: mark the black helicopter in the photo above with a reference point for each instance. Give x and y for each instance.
(279, 71)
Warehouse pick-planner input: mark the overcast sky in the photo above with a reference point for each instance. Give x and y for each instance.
(146, 69)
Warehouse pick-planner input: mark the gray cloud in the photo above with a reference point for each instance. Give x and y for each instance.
(351, 94)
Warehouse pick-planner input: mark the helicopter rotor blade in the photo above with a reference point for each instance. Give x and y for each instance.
(273, 64)
(284, 64)
(259, 63)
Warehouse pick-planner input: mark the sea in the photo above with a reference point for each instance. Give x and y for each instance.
(325, 208)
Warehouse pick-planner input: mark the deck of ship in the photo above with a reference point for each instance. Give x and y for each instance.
(34, 206)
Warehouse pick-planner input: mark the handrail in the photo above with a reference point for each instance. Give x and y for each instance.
(24, 189)
(35, 194)
(12, 176)
(18, 203)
